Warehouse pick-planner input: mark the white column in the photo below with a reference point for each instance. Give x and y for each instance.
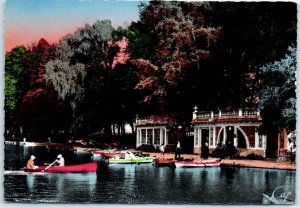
(235, 136)
(240, 112)
(146, 136)
(265, 142)
(140, 137)
(213, 136)
(153, 136)
(137, 138)
(160, 136)
(256, 139)
(166, 139)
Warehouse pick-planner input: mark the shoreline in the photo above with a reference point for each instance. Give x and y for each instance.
(267, 164)
(245, 163)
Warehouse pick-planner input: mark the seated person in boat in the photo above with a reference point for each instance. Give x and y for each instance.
(60, 161)
(30, 163)
(129, 155)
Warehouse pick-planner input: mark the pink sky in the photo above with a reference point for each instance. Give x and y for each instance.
(27, 21)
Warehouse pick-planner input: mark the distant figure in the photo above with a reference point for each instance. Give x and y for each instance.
(30, 163)
(129, 155)
(162, 149)
(220, 151)
(49, 140)
(24, 140)
(205, 151)
(177, 151)
(60, 160)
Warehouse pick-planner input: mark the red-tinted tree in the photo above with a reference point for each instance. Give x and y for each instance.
(41, 113)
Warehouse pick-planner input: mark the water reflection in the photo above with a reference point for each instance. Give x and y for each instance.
(143, 183)
(71, 187)
(30, 181)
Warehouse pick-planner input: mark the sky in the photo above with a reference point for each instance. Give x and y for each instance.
(26, 21)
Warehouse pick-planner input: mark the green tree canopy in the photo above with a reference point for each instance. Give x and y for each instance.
(278, 93)
(16, 77)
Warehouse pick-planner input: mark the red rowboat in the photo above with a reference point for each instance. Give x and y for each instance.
(108, 154)
(82, 168)
(204, 163)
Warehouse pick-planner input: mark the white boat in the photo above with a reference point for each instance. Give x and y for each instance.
(193, 164)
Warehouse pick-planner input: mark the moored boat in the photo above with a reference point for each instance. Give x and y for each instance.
(130, 158)
(161, 162)
(136, 160)
(80, 168)
(203, 163)
(108, 154)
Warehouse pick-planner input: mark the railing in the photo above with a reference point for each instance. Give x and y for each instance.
(247, 112)
(144, 121)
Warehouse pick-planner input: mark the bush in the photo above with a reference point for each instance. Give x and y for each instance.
(147, 148)
(254, 156)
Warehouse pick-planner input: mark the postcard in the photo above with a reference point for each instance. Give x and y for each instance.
(149, 102)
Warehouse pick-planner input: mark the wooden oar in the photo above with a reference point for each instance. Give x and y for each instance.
(48, 166)
(21, 172)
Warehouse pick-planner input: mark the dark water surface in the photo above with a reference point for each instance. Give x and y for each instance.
(142, 183)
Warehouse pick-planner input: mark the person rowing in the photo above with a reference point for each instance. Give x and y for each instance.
(60, 161)
(30, 163)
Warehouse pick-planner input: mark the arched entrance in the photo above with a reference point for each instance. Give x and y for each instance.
(229, 134)
(241, 140)
(204, 136)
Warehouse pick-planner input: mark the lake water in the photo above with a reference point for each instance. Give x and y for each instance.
(138, 184)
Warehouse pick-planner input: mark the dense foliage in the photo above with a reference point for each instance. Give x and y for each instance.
(210, 54)
(278, 93)
(82, 75)
(16, 77)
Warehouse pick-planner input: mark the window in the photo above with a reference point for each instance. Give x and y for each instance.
(149, 136)
(157, 136)
(143, 136)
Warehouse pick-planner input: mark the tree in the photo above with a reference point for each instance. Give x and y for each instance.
(277, 93)
(125, 100)
(79, 74)
(16, 77)
(178, 39)
(253, 34)
(40, 113)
